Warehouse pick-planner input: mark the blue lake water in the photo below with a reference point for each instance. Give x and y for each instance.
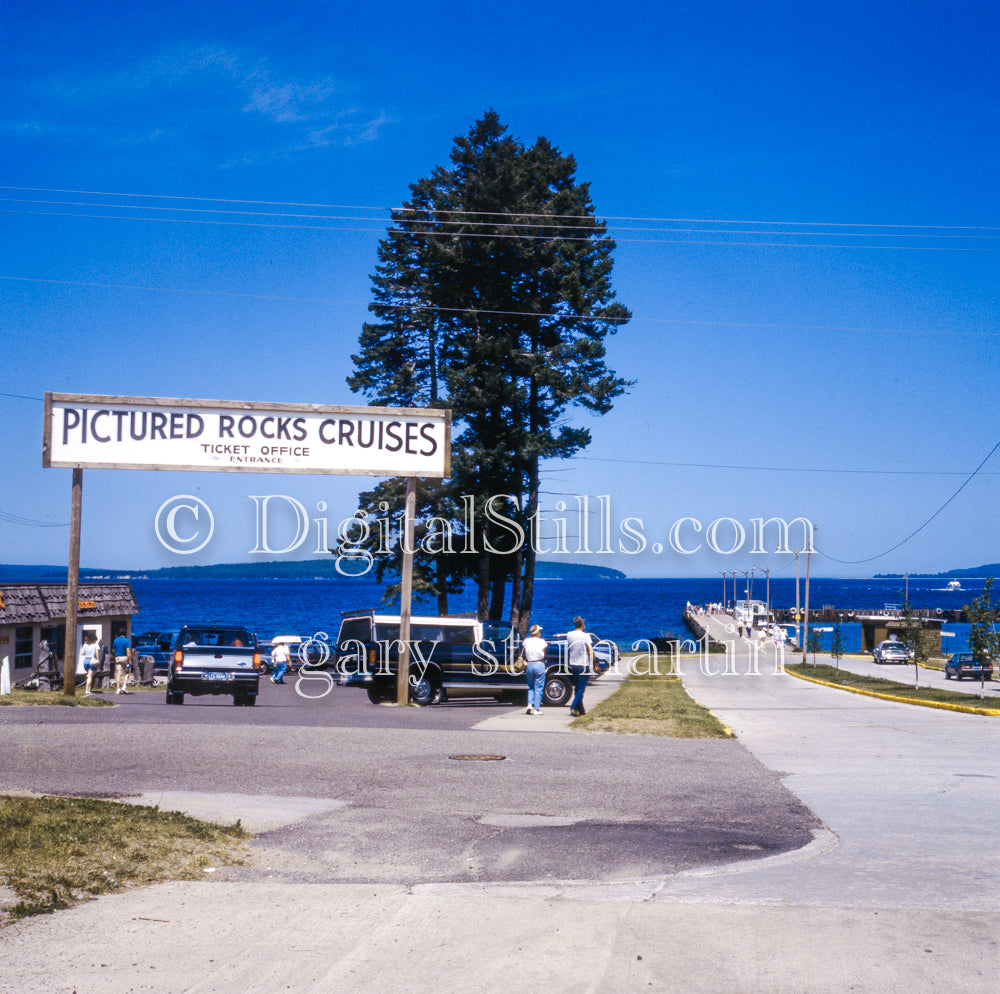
(622, 610)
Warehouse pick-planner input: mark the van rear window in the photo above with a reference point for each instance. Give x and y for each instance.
(428, 632)
(217, 637)
(358, 629)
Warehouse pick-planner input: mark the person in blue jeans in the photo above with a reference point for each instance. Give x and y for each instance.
(581, 664)
(533, 648)
(280, 656)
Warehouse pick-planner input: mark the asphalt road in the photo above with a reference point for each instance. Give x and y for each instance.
(387, 801)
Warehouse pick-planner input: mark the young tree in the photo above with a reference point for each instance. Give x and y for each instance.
(813, 642)
(492, 296)
(837, 643)
(913, 638)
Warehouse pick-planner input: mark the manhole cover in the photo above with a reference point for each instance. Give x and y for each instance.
(485, 758)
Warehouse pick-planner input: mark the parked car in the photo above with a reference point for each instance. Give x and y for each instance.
(963, 664)
(892, 652)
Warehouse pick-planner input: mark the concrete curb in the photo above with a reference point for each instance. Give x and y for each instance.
(940, 705)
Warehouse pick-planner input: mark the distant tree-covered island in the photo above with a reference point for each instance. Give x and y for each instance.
(990, 569)
(306, 569)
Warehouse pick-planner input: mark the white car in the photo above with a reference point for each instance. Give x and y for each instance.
(891, 651)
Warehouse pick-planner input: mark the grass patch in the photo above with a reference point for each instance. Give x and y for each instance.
(878, 685)
(653, 705)
(58, 851)
(56, 697)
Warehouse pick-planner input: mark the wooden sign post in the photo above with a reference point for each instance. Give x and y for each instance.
(73, 584)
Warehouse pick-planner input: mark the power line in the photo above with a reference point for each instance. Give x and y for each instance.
(733, 466)
(781, 469)
(434, 218)
(916, 531)
(524, 237)
(19, 396)
(847, 329)
(670, 220)
(16, 519)
(318, 300)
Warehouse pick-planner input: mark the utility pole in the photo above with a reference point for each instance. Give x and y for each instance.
(405, 595)
(798, 634)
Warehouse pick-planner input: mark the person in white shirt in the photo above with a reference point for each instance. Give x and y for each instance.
(90, 663)
(581, 664)
(281, 657)
(533, 648)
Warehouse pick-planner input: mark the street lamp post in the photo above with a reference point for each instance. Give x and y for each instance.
(723, 572)
(809, 553)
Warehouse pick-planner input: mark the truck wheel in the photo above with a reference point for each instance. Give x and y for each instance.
(175, 697)
(425, 691)
(558, 691)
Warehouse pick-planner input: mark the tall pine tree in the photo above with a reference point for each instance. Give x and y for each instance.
(492, 296)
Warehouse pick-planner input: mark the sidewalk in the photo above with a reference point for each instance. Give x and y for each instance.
(555, 719)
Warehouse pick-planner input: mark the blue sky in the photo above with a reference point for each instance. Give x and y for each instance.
(805, 199)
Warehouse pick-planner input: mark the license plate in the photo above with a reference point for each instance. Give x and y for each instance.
(217, 676)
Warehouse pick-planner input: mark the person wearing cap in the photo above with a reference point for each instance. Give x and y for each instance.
(533, 648)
